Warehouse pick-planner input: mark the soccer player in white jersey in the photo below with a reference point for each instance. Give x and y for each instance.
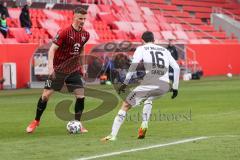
(155, 84)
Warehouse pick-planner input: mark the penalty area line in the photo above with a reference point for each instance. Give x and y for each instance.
(143, 148)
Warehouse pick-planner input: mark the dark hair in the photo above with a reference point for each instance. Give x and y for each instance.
(80, 10)
(148, 36)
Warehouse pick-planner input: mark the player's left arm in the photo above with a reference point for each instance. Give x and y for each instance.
(137, 57)
(83, 56)
(83, 60)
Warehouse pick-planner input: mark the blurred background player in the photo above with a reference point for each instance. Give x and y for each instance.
(4, 9)
(25, 19)
(172, 49)
(64, 62)
(156, 61)
(3, 25)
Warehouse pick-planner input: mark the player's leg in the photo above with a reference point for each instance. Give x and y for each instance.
(79, 106)
(147, 108)
(118, 120)
(171, 75)
(152, 94)
(75, 84)
(42, 103)
(51, 85)
(41, 106)
(133, 99)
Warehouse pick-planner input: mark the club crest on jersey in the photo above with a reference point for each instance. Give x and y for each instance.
(76, 48)
(83, 38)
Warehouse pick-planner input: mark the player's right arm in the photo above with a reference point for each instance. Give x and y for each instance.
(51, 53)
(137, 57)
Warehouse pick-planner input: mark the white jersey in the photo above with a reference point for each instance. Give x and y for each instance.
(156, 61)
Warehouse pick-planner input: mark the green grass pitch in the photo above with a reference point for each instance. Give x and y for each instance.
(209, 107)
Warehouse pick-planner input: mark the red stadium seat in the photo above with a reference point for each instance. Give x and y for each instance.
(165, 7)
(14, 13)
(168, 35)
(150, 19)
(203, 15)
(219, 35)
(181, 35)
(165, 27)
(134, 9)
(106, 17)
(157, 36)
(118, 3)
(176, 27)
(157, 1)
(121, 25)
(104, 8)
(197, 9)
(20, 35)
(191, 35)
(136, 17)
(206, 28)
(147, 11)
(176, 14)
(93, 9)
(152, 27)
(138, 26)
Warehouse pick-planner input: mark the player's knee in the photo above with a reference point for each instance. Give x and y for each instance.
(79, 93)
(79, 96)
(45, 98)
(125, 106)
(121, 114)
(148, 101)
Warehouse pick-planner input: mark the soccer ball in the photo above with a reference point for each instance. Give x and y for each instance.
(73, 126)
(108, 83)
(229, 75)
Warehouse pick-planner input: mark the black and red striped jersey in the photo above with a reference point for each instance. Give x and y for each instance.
(67, 57)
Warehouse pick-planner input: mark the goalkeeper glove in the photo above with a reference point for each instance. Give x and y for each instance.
(175, 93)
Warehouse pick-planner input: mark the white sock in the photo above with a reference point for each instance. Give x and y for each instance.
(146, 113)
(118, 122)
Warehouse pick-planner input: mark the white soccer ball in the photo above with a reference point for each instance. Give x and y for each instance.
(74, 126)
(229, 75)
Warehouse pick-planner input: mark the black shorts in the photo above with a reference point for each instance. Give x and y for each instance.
(73, 81)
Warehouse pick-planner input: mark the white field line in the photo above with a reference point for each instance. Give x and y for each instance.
(143, 148)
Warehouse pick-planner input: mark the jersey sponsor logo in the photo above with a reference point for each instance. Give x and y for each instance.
(76, 48)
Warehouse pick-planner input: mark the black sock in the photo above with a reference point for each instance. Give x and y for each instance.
(41, 106)
(79, 107)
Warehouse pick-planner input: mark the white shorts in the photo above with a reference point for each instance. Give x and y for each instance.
(147, 92)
